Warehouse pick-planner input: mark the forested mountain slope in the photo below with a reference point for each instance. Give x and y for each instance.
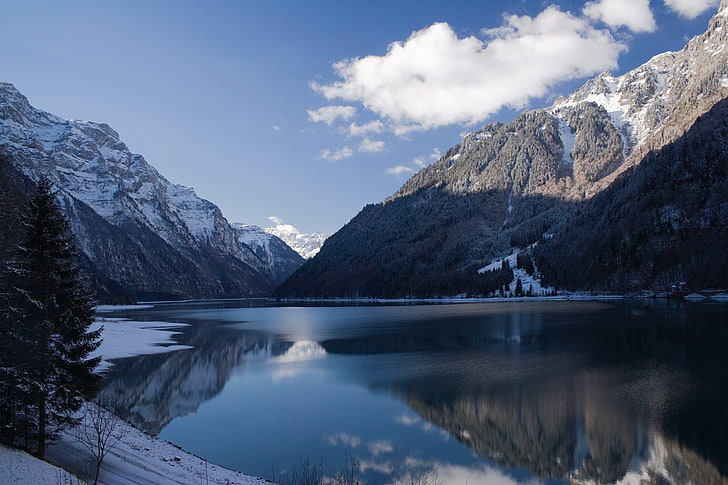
(509, 184)
(661, 222)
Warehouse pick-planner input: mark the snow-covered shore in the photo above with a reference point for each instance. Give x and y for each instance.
(138, 458)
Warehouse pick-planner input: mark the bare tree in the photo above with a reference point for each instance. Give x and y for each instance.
(99, 432)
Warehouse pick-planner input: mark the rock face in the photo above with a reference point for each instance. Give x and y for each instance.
(509, 184)
(272, 250)
(141, 236)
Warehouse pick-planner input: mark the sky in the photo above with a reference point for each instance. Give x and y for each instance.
(305, 111)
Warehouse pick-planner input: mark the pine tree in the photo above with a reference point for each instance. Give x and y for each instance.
(47, 313)
(519, 287)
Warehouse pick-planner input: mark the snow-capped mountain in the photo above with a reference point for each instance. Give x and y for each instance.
(273, 251)
(307, 245)
(508, 184)
(140, 234)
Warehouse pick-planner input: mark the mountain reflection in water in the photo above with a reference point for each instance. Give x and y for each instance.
(572, 391)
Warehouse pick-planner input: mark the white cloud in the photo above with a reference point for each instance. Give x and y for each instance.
(371, 146)
(276, 127)
(399, 170)
(280, 226)
(435, 79)
(633, 14)
(378, 447)
(350, 441)
(336, 155)
(418, 162)
(375, 126)
(691, 8)
(329, 114)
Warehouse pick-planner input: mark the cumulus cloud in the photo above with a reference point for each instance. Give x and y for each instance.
(281, 226)
(399, 170)
(329, 114)
(375, 126)
(633, 14)
(336, 155)
(371, 146)
(435, 79)
(691, 8)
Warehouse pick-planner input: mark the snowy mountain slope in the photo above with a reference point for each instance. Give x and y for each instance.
(140, 233)
(272, 250)
(307, 245)
(508, 184)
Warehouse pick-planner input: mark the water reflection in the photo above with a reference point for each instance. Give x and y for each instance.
(152, 390)
(576, 392)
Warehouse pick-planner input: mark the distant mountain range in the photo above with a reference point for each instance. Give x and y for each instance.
(619, 186)
(141, 237)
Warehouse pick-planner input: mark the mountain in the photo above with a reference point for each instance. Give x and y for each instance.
(307, 245)
(536, 180)
(272, 250)
(141, 237)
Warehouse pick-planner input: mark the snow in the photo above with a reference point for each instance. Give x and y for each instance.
(529, 282)
(111, 308)
(255, 237)
(139, 458)
(568, 138)
(126, 338)
(19, 467)
(724, 79)
(306, 245)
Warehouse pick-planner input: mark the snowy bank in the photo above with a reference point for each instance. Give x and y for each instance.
(139, 458)
(126, 338)
(19, 467)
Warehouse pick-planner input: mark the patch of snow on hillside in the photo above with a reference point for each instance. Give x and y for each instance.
(568, 138)
(724, 79)
(531, 283)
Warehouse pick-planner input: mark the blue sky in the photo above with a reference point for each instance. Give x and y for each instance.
(309, 110)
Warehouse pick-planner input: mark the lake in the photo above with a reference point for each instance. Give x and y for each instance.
(467, 393)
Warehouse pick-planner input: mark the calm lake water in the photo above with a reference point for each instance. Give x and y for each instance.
(496, 392)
